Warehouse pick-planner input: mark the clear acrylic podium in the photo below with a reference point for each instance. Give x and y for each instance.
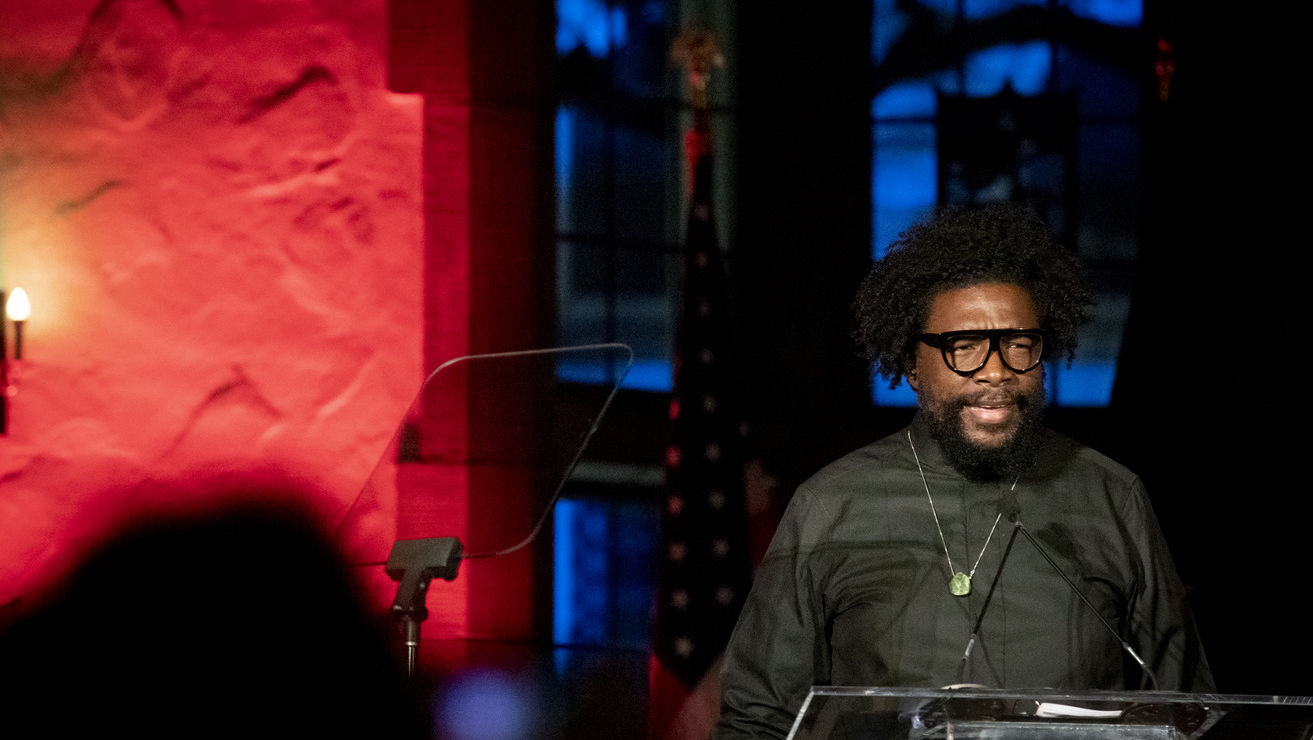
(856, 713)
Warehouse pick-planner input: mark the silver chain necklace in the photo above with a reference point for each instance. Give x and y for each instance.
(960, 583)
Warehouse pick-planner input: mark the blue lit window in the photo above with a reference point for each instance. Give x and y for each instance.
(604, 560)
(617, 186)
(1096, 177)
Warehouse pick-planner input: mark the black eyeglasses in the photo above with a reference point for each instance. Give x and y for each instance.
(967, 351)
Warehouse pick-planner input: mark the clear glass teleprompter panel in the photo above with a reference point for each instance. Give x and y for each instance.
(476, 416)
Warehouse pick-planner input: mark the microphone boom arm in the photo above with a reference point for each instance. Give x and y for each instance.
(975, 630)
(1093, 610)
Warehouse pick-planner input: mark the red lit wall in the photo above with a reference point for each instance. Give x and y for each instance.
(215, 207)
(248, 231)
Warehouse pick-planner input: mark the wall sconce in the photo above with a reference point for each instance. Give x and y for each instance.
(17, 309)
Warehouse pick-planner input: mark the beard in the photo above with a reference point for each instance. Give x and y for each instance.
(980, 462)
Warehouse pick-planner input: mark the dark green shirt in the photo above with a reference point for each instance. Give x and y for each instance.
(853, 590)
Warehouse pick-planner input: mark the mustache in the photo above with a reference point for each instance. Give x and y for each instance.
(994, 398)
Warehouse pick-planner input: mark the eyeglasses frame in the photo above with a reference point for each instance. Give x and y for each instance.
(941, 340)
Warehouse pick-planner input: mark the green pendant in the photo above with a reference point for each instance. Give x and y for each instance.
(960, 585)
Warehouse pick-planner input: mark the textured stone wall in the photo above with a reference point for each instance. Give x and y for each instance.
(215, 208)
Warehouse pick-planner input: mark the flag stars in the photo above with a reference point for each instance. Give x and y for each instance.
(683, 647)
(724, 596)
(720, 548)
(680, 599)
(713, 452)
(709, 404)
(716, 499)
(675, 505)
(677, 552)
(707, 356)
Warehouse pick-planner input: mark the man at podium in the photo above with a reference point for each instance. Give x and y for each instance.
(900, 564)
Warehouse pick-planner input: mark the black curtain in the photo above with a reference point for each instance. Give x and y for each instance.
(1211, 403)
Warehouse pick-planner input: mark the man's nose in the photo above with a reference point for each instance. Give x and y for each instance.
(994, 372)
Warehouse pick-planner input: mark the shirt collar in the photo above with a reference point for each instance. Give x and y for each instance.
(928, 452)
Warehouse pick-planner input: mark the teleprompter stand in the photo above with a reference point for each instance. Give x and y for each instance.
(415, 487)
(413, 564)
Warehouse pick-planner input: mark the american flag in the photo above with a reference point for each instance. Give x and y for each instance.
(705, 563)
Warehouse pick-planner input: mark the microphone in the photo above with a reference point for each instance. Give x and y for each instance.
(1126, 647)
(980, 618)
(1011, 508)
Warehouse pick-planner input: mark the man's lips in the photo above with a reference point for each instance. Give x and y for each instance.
(990, 410)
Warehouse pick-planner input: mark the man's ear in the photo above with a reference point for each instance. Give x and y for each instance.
(911, 379)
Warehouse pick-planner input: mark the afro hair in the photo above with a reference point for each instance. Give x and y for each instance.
(960, 247)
